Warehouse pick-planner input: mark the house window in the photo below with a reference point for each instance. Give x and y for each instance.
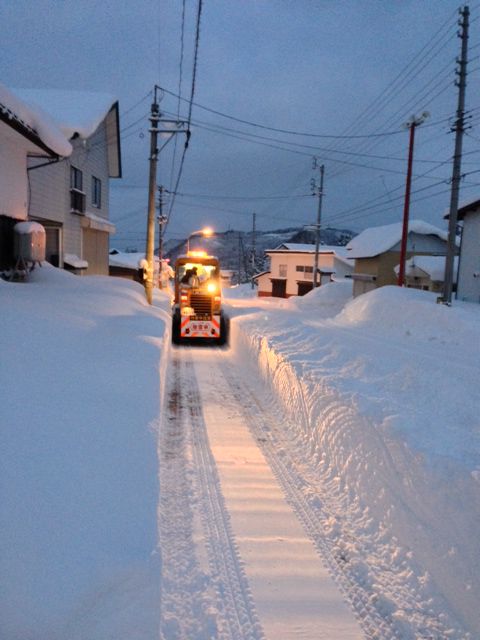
(300, 268)
(77, 195)
(282, 270)
(96, 192)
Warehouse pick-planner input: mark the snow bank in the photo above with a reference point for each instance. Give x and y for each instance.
(383, 403)
(83, 367)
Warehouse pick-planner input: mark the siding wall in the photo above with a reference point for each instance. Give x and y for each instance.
(13, 173)
(326, 261)
(50, 197)
(469, 271)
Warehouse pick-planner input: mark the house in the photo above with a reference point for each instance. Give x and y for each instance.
(376, 252)
(24, 133)
(291, 269)
(70, 198)
(468, 288)
(427, 272)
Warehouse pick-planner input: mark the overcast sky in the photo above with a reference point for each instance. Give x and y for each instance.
(329, 68)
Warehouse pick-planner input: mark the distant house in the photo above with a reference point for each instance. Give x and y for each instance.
(426, 272)
(469, 269)
(376, 252)
(24, 133)
(291, 269)
(71, 198)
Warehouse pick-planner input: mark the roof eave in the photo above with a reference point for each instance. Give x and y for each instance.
(18, 126)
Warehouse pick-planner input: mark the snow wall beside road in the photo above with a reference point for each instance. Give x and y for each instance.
(407, 529)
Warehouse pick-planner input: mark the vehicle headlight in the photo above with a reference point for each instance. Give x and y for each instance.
(212, 287)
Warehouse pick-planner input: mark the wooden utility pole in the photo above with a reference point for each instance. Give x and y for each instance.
(459, 129)
(161, 223)
(172, 128)
(154, 118)
(412, 125)
(254, 216)
(319, 222)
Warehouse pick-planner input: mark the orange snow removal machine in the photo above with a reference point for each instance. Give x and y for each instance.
(197, 308)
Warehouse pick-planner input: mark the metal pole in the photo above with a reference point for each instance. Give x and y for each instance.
(457, 162)
(317, 227)
(154, 118)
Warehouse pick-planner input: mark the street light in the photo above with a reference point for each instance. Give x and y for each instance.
(206, 232)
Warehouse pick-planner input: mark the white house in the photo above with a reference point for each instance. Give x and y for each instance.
(468, 287)
(291, 269)
(376, 252)
(70, 198)
(24, 133)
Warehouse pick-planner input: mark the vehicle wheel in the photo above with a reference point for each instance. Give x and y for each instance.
(224, 329)
(176, 328)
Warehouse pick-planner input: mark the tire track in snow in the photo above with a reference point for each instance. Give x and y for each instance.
(184, 597)
(196, 605)
(264, 425)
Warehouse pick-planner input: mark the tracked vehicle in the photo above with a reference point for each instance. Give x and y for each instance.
(197, 309)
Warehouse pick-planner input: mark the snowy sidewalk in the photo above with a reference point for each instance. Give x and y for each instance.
(294, 594)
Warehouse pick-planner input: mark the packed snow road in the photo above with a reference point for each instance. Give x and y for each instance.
(243, 553)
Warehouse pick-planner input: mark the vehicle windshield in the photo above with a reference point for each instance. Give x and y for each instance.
(203, 272)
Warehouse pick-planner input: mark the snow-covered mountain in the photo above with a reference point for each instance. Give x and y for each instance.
(234, 248)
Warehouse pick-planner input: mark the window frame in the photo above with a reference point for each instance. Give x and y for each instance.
(96, 192)
(77, 194)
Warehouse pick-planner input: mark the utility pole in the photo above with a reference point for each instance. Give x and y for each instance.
(162, 219)
(254, 216)
(319, 191)
(412, 124)
(239, 256)
(459, 129)
(154, 118)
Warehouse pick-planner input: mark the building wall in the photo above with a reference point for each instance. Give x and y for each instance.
(292, 259)
(382, 267)
(95, 245)
(13, 173)
(469, 270)
(50, 198)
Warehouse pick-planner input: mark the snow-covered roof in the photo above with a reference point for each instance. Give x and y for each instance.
(464, 207)
(74, 261)
(33, 123)
(98, 223)
(376, 240)
(309, 248)
(431, 266)
(75, 112)
(128, 260)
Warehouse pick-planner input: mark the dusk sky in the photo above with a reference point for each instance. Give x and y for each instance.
(342, 72)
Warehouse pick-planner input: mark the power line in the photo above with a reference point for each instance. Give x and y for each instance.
(192, 94)
(287, 131)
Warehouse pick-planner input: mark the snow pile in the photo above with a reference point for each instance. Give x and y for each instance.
(37, 120)
(332, 296)
(83, 364)
(384, 408)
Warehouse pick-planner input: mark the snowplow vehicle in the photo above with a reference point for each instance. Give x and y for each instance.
(197, 307)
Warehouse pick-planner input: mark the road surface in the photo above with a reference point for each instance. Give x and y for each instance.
(243, 551)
